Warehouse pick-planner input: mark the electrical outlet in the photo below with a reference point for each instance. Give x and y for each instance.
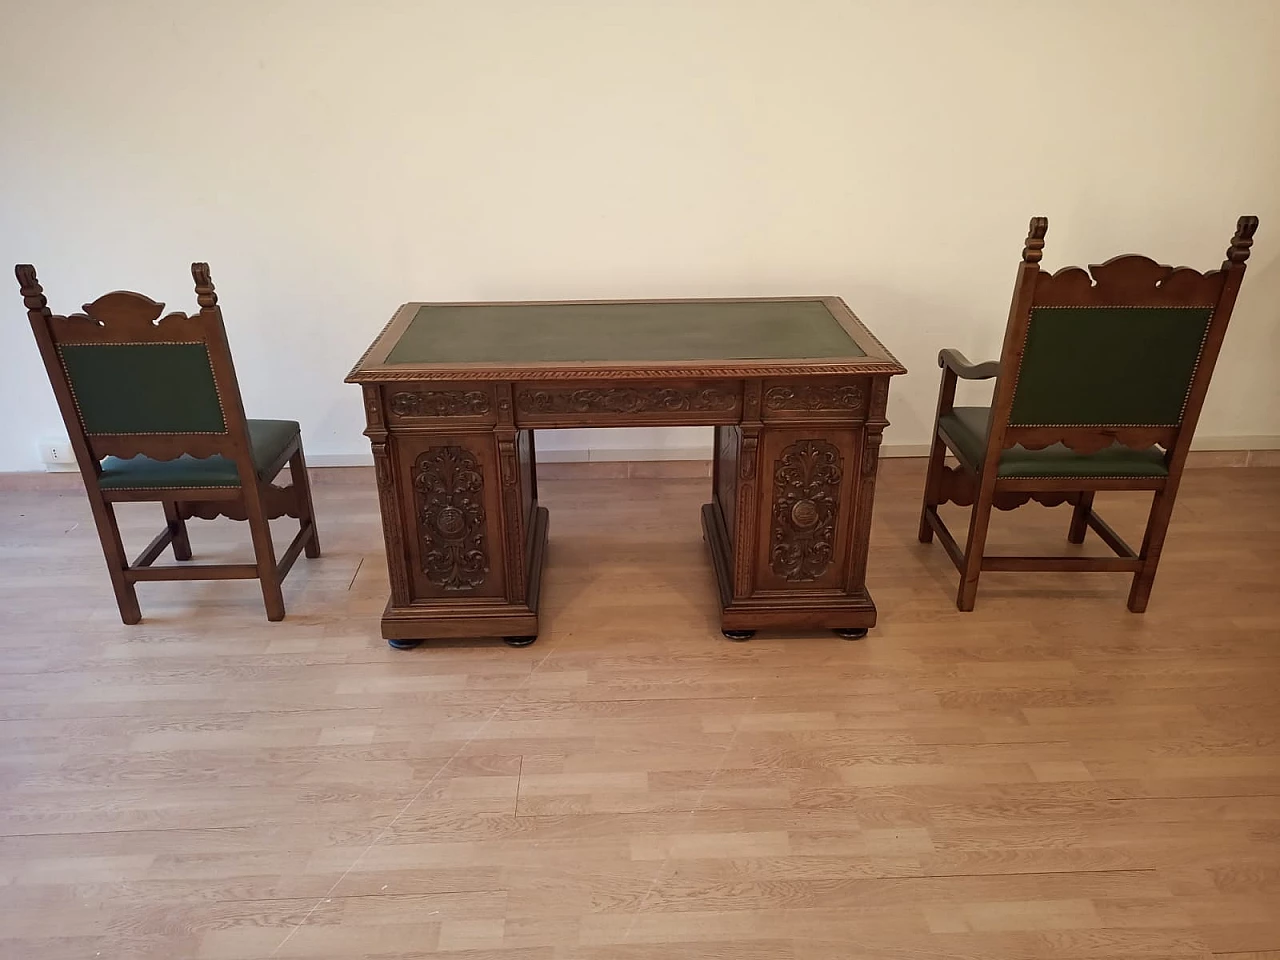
(57, 455)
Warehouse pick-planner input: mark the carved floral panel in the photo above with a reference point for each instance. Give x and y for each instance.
(811, 397)
(627, 400)
(806, 502)
(449, 488)
(440, 403)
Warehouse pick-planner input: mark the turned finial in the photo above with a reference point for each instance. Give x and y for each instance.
(1238, 252)
(1034, 248)
(32, 292)
(205, 295)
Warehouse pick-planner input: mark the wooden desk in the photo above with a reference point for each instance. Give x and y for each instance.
(796, 389)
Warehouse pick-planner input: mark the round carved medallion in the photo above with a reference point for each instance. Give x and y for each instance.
(450, 521)
(804, 514)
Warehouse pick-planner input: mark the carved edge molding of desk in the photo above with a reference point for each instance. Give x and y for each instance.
(796, 450)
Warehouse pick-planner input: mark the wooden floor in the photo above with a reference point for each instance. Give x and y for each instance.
(1049, 776)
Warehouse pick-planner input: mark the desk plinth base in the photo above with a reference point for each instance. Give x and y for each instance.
(848, 612)
(450, 620)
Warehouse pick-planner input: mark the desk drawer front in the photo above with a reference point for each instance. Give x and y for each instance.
(629, 404)
(431, 403)
(815, 398)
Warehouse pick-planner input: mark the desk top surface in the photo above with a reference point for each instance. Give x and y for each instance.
(622, 339)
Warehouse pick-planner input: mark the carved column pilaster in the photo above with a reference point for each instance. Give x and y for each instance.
(514, 522)
(744, 538)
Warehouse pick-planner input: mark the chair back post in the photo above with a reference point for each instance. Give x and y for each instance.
(1232, 268)
(40, 315)
(1015, 336)
(210, 318)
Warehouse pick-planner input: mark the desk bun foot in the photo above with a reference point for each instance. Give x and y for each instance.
(851, 633)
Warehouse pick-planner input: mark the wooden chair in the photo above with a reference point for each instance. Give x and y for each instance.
(1098, 387)
(154, 413)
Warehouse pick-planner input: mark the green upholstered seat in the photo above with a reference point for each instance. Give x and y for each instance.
(269, 438)
(967, 427)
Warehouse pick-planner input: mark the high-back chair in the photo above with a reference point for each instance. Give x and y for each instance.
(1098, 387)
(153, 411)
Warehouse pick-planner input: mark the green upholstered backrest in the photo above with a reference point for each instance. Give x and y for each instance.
(1108, 366)
(143, 388)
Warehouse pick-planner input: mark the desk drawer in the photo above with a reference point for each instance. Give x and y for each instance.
(429, 404)
(644, 403)
(815, 398)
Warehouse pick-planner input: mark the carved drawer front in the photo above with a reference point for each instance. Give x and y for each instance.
(807, 490)
(430, 404)
(643, 402)
(815, 398)
(450, 491)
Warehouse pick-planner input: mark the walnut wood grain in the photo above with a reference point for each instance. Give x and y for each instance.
(435, 404)
(515, 497)
(277, 502)
(1091, 441)
(815, 398)
(962, 367)
(663, 403)
(466, 560)
(1125, 281)
(807, 480)
(124, 317)
(448, 483)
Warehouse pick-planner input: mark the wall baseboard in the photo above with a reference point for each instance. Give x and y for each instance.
(674, 462)
(1244, 447)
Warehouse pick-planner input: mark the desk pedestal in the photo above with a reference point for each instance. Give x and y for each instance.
(788, 523)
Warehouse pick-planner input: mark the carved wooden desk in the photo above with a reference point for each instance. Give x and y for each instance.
(796, 390)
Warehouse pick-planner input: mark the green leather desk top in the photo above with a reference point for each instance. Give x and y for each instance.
(684, 336)
(622, 331)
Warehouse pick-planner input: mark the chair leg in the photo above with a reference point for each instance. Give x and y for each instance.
(1152, 544)
(306, 510)
(937, 456)
(104, 517)
(1080, 517)
(181, 545)
(264, 552)
(976, 542)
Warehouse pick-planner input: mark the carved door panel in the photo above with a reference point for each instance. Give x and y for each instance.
(452, 515)
(807, 494)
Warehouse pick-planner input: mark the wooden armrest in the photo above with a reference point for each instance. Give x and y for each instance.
(959, 364)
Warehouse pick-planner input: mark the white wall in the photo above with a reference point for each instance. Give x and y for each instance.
(332, 159)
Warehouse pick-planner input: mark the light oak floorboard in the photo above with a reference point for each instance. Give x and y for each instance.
(1048, 776)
